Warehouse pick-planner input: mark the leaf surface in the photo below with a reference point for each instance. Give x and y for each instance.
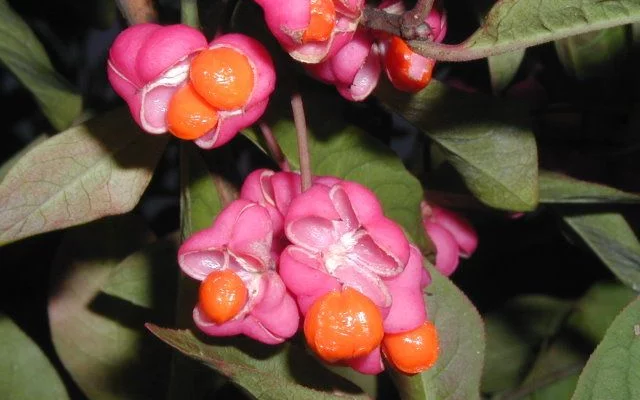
(90, 171)
(23, 54)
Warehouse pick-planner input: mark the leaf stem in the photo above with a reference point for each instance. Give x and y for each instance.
(274, 148)
(303, 145)
(189, 13)
(137, 11)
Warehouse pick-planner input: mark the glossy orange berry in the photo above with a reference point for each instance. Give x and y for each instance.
(223, 77)
(222, 295)
(343, 325)
(322, 21)
(189, 116)
(405, 72)
(413, 351)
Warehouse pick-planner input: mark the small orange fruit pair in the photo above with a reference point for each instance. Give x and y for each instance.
(345, 325)
(219, 79)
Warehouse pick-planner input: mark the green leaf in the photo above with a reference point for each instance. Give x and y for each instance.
(597, 309)
(611, 238)
(456, 374)
(276, 372)
(613, 370)
(517, 24)
(348, 153)
(554, 374)
(7, 165)
(200, 202)
(101, 340)
(84, 173)
(559, 188)
(23, 54)
(503, 68)
(514, 335)
(25, 371)
(593, 54)
(488, 141)
(146, 275)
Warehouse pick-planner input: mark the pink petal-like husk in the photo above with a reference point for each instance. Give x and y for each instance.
(165, 47)
(437, 21)
(277, 311)
(257, 187)
(252, 235)
(349, 59)
(462, 231)
(124, 52)
(264, 72)
(216, 237)
(447, 252)
(314, 202)
(370, 364)
(365, 80)
(200, 263)
(366, 283)
(391, 239)
(379, 258)
(322, 71)
(286, 186)
(315, 52)
(230, 124)
(154, 104)
(286, 19)
(364, 202)
(248, 326)
(127, 91)
(303, 276)
(408, 308)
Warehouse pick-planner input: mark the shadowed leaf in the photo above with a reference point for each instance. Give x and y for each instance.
(90, 171)
(23, 54)
(488, 141)
(25, 372)
(613, 370)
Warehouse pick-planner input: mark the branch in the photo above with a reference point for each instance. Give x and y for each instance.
(137, 11)
(303, 144)
(408, 25)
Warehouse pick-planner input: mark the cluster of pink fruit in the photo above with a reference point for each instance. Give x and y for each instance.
(328, 254)
(326, 36)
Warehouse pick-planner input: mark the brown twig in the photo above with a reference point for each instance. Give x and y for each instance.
(408, 25)
(137, 11)
(303, 145)
(274, 148)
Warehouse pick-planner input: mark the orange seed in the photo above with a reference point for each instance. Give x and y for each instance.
(189, 116)
(398, 64)
(343, 325)
(223, 77)
(413, 351)
(322, 21)
(222, 295)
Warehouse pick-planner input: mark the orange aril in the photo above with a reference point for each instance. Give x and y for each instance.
(343, 325)
(223, 77)
(321, 22)
(398, 64)
(189, 116)
(222, 296)
(413, 351)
